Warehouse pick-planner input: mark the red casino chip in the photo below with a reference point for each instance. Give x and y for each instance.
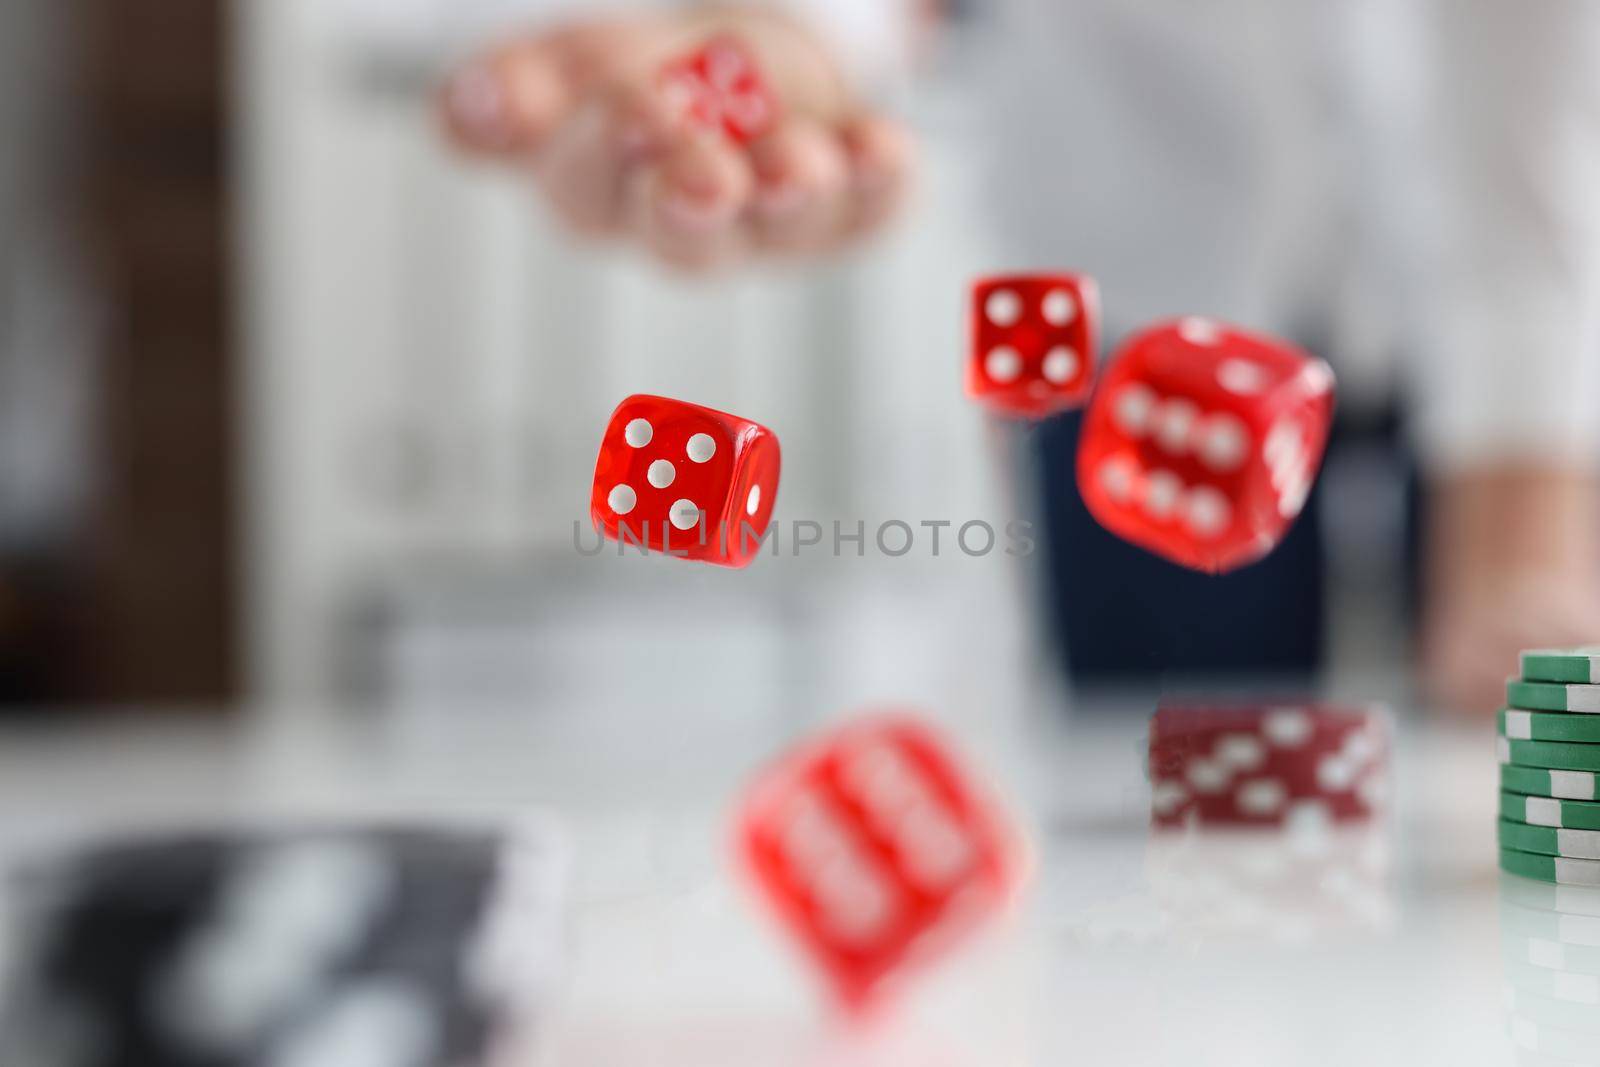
(1267, 764)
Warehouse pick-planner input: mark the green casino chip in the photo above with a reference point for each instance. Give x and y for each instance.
(1549, 755)
(1549, 841)
(1550, 812)
(1540, 782)
(1557, 869)
(1570, 666)
(1520, 725)
(1549, 696)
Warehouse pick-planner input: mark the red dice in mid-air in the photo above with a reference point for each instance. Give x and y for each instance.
(1034, 342)
(1203, 441)
(680, 478)
(876, 850)
(720, 87)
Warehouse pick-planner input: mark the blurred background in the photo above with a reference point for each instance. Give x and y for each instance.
(296, 407)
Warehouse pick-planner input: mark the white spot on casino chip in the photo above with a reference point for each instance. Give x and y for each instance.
(1118, 475)
(1542, 811)
(753, 501)
(685, 514)
(1360, 746)
(1335, 774)
(638, 433)
(1308, 817)
(1373, 789)
(661, 473)
(701, 447)
(1174, 422)
(1263, 796)
(1167, 796)
(1132, 407)
(1060, 365)
(1198, 331)
(1207, 512)
(278, 926)
(1241, 376)
(1208, 776)
(1161, 492)
(1058, 307)
(1003, 307)
(1287, 727)
(1002, 364)
(1224, 441)
(1243, 751)
(622, 499)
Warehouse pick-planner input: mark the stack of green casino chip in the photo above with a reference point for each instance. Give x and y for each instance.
(1550, 768)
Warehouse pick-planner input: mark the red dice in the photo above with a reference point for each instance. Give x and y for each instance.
(1034, 341)
(876, 850)
(720, 87)
(680, 478)
(1203, 441)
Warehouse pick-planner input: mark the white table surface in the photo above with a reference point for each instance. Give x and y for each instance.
(1107, 961)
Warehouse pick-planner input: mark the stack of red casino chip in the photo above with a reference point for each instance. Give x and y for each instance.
(1267, 764)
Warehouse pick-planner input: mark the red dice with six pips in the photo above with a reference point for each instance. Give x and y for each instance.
(1202, 442)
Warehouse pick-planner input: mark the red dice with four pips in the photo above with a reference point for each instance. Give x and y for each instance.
(877, 850)
(1034, 341)
(1202, 442)
(720, 87)
(680, 478)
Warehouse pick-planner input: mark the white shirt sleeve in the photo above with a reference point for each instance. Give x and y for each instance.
(1510, 367)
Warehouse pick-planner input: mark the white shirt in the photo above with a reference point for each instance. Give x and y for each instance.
(1416, 177)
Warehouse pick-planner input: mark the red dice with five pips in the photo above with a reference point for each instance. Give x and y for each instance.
(719, 86)
(877, 851)
(684, 479)
(1034, 340)
(1202, 442)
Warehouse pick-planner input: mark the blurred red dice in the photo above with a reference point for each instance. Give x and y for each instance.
(1034, 341)
(1203, 441)
(720, 87)
(680, 478)
(877, 851)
